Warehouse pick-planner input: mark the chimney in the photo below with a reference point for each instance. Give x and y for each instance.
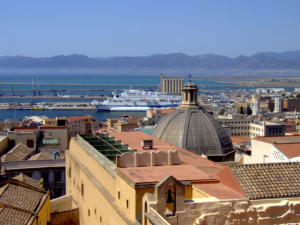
(147, 144)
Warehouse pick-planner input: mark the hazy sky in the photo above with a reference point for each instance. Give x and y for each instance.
(145, 27)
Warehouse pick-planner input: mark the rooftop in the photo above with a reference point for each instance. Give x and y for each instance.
(107, 145)
(42, 156)
(239, 140)
(269, 180)
(88, 117)
(199, 170)
(291, 150)
(20, 200)
(18, 153)
(162, 111)
(280, 139)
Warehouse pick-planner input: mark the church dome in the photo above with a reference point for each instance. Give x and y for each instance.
(192, 128)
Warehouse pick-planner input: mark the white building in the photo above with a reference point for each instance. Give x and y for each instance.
(274, 149)
(266, 128)
(277, 105)
(239, 124)
(255, 105)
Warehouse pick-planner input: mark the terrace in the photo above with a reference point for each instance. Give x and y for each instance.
(107, 146)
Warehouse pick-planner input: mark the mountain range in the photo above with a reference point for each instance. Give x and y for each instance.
(263, 61)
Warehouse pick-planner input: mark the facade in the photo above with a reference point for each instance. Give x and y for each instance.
(291, 105)
(277, 105)
(125, 123)
(255, 103)
(239, 105)
(155, 115)
(274, 150)
(82, 125)
(263, 128)
(171, 85)
(238, 124)
(112, 179)
(24, 201)
(56, 138)
(51, 171)
(58, 121)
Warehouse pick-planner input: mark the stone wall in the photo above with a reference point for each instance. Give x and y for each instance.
(212, 211)
(69, 217)
(149, 158)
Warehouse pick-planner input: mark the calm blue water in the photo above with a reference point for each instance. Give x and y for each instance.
(100, 116)
(92, 85)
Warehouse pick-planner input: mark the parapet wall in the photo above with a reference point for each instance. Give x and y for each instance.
(243, 212)
(149, 158)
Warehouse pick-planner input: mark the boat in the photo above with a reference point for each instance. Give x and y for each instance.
(137, 100)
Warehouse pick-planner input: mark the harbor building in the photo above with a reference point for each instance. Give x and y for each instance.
(171, 85)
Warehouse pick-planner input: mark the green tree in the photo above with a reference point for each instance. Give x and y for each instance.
(222, 112)
(298, 96)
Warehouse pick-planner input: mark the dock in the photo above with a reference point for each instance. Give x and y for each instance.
(47, 106)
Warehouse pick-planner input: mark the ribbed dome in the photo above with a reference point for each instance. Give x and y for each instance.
(195, 130)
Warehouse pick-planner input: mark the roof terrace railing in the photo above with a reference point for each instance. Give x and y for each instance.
(107, 145)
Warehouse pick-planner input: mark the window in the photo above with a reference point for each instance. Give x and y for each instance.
(119, 195)
(95, 211)
(30, 143)
(89, 212)
(100, 219)
(127, 203)
(266, 159)
(70, 172)
(82, 189)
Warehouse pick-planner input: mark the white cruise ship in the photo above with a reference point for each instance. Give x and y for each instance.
(136, 100)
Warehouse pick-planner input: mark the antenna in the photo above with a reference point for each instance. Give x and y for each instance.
(190, 77)
(33, 90)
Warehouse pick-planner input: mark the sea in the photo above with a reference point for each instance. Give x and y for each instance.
(82, 85)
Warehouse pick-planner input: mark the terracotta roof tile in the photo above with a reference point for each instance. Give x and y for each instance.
(193, 168)
(155, 173)
(280, 139)
(238, 140)
(14, 217)
(42, 156)
(291, 150)
(19, 153)
(20, 197)
(28, 180)
(269, 180)
(88, 117)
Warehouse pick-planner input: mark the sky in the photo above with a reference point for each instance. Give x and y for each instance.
(140, 27)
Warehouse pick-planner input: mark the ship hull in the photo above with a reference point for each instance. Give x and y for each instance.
(132, 108)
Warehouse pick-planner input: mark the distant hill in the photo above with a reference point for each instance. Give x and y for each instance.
(159, 62)
(289, 55)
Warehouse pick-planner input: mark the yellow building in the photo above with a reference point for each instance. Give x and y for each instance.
(112, 178)
(23, 200)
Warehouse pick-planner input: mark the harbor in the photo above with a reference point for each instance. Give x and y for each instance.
(47, 106)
